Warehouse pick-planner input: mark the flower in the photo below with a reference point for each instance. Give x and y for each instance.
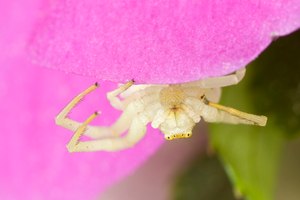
(35, 163)
(157, 41)
(151, 41)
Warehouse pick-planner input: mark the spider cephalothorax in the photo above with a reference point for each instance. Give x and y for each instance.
(174, 116)
(173, 108)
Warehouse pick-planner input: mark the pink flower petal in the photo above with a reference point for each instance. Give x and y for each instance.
(34, 161)
(158, 41)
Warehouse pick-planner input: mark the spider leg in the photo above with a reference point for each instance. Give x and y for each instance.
(62, 118)
(79, 132)
(213, 94)
(213, 112)
(216, 82)
(113, 96)
(119, 127)
(135, 133)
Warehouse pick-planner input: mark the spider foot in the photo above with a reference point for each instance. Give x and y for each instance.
(71, 146)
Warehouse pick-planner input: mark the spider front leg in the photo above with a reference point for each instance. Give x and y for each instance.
(113, 96)
(62, 118)
(222, 81)
(135, 133)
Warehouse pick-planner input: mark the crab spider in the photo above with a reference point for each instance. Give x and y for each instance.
(173, 108)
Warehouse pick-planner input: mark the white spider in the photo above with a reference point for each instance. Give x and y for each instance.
(174, 109)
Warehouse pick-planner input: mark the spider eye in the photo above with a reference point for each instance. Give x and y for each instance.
(168, 138)
(179, 135)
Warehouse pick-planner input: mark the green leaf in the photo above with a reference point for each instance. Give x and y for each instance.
(251, 154)
(275, 84)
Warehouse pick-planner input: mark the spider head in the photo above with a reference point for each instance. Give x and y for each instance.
(178, 126)
(176, 122)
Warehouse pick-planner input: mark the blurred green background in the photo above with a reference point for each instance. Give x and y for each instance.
(248, 162)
